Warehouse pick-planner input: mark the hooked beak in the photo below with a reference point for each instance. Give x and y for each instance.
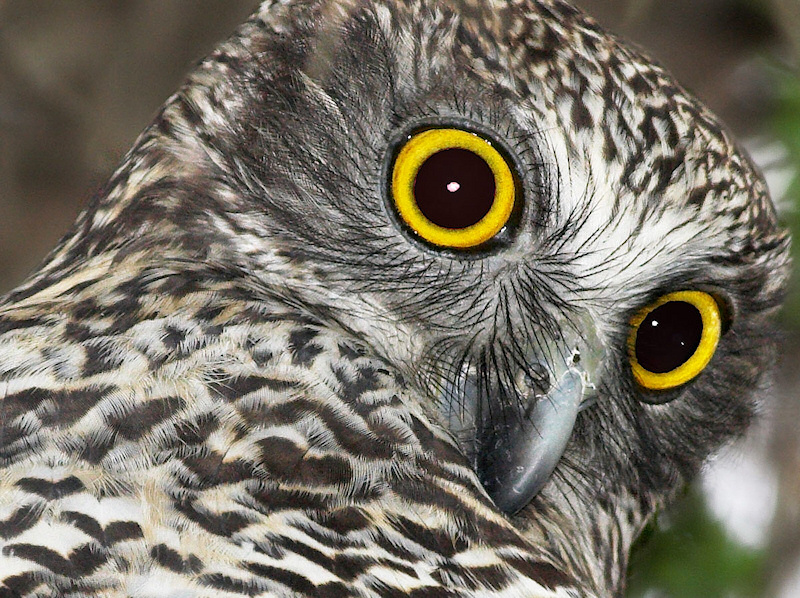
(517, 447)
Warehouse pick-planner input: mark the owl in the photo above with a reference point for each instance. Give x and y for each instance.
(430, 298)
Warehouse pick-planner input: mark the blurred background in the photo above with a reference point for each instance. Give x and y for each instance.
(80, 79)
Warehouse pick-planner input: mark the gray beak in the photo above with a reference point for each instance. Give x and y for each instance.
(517, 447)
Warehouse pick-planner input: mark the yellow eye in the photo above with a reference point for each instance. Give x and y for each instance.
(672, 340)
(452, 188)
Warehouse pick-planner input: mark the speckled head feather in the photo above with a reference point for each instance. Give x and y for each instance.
(228, 379)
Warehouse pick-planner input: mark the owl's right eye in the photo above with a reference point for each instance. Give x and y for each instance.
(453, 188)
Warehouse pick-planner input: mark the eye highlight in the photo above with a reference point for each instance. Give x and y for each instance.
(453, 188)
(673, 339)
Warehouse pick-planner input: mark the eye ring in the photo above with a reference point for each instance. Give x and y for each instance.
(416, 153)
(710, 319)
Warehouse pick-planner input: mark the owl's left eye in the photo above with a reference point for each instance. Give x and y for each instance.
(673, 339)
(453, 188)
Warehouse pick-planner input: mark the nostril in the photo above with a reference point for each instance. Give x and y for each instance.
(536, 380)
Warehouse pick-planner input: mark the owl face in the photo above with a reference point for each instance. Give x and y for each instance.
(562, 252)
(564, 256)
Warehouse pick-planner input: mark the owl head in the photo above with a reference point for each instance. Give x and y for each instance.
(564, 255)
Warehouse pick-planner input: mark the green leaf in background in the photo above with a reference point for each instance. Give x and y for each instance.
(693, 556)
(786, 126)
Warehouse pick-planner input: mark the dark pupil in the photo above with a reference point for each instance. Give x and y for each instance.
(454, 188)
(668, 337)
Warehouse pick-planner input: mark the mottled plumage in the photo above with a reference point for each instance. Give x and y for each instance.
(228, 378)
